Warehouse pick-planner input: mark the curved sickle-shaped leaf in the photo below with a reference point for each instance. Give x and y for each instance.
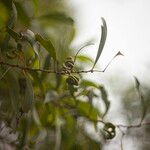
(47, 45)
(102, 41)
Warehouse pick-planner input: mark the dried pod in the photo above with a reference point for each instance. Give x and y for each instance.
(69, 64)
(109, 130)
(72, 80)
(65, 70)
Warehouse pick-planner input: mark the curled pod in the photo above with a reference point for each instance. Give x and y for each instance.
(72, 80)
(109, 130)
(65, 70)
(69, 64)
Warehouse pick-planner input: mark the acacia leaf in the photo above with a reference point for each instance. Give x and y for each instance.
(105, 99)
(102, 41)
(47, 44)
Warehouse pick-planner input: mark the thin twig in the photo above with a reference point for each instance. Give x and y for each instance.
(75, 57)
(45, 70)
(133, 126)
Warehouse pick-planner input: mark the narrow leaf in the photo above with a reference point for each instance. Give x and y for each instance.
(10, 23)
(13, 34)
(105, 99)
(36, 5)
(29, 36)
(83, 58)
(22, 14)
(144, 107)
(47, 45)
(13, 17)
(102, 41)
(58, 16)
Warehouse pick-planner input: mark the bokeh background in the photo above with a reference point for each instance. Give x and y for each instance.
(128, 25)
(128, 31)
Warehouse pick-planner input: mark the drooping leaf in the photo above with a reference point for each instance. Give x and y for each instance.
(47, 45)
(102, 41)
(85, 107)
(105, 99)
(88, 83)
(144, 107)
(58, 16)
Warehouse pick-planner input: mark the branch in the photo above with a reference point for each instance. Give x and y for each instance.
(133, 126)
(45, 70)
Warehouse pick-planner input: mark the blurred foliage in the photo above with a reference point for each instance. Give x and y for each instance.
(45, 102)
(44, 110)
(136, 111)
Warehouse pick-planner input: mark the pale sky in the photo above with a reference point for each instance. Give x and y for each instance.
(128, 23)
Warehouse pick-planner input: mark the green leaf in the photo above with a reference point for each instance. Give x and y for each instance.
(87, 110)
(29, 36)
(13, 34)
(22, 14)
(87, 83)
(83, 58)
(105, 99)
(82, 108)
(36, 5)
(47, 45)
(13, 17)
(102, 41)
(10, 24)
(58, 16)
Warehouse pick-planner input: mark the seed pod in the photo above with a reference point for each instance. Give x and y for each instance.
(72, 80)
(69, 64)
(109, 130)
(65, 70)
